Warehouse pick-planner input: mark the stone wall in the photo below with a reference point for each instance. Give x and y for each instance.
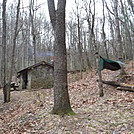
(42, 77)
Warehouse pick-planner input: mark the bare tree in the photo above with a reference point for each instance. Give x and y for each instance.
(16, 31)
(126, 31)
(90, 18)
(112, 41)
(6, 91)
(61, 96)
(118, 35)
(85, 41)
(103, 30)
(79, 39)
(33, 30)
(0, 46)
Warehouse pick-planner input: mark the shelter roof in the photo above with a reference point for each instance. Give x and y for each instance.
(42, 63)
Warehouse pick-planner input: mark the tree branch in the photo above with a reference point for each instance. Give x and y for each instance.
(52, 12)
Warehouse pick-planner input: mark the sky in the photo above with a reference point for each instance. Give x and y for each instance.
(70, 5)
(44, 7)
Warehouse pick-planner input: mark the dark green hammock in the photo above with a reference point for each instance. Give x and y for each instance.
(109, 64)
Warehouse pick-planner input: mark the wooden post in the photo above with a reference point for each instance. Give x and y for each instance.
(29, 80)
(21, 82)
(122, 70)
(101, 94)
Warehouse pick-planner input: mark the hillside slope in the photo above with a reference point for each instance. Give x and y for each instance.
(28, 111)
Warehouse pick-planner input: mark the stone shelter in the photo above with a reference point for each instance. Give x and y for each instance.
(39, 75)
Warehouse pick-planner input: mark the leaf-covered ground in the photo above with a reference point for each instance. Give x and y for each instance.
(28, 111)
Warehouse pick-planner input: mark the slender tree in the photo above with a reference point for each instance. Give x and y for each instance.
(0, 48)
(90, 17)
(79, 39)
(33, 29)
(5, 87)
(118, 35)
(16, 31)
(103, 30)
(126, 31)
(61, 96)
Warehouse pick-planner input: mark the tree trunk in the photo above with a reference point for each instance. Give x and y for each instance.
(1, 54)
(61, 96)
(33, 30)
(79, 42)
(14, 42)
(112, 35)
(6, 89)
(101, 93)
(103, 32)
(129, 48)
(88, 64)
(118, 36)
(91, 23)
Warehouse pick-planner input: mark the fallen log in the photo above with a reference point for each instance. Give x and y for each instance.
(112, 83)
(120, 86)
(125, 89)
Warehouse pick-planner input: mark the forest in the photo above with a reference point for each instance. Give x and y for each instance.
(64, 42)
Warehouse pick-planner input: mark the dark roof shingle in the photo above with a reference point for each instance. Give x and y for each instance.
(36, 65)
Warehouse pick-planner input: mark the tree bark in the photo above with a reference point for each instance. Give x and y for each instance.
(79, 41)
(103, 31)
(129, 48)
(52, 12)
(101, 93)
(1, 53)
(112, 35)
(33, 30)
(118, 36)
(61, 96)
(6, 91)
(14, 42)
(91, 23)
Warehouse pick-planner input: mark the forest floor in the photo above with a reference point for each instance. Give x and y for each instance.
(29, 111)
